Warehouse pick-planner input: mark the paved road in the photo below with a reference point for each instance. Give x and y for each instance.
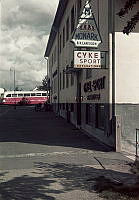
(44, 157)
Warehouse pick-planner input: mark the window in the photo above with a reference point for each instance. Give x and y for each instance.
(26, 95)
(8, 95)
(52, 59)
(55, 85)
(90, 114)
(67, 80)
(72, 79)
(79, 5)
(60, 81)
(100, 116)
(20, 95)
(63, 106)
(55, 55)
(67, 29)
(72, 107)
(63, 37)
(88, 73)
(32, 94)
(72, 19)
(60, 43)
(38, 94)
(44, 94)
(14, 95)
(67, 106)
(63, 79)
(72, 75)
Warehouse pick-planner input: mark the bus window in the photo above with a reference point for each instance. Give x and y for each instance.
(27, 95)
(20, 95)
(44, 94)
(38, 94)
(14, 95)
(8, 95)
(33, 94)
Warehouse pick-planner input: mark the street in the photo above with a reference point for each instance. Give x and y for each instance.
(44, 157)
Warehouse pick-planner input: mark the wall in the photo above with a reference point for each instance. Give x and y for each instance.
(127, 81)
(100, 10)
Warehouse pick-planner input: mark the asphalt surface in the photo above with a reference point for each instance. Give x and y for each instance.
(44, 157)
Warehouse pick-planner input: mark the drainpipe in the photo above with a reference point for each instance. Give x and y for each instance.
(58, 75)
(113, 59)
(112, 65)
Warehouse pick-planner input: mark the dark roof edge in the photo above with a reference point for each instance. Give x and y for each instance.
(55, 26)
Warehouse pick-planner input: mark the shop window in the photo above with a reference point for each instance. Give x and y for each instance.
(100, 116)
(72, 19)
(72, 107)
(90, 114)
(63, 105)
(88, 73)
(67, 106)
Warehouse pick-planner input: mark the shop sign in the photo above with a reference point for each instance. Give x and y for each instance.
(97, 84)
(87, 33)
(94, 86)
(87, 59)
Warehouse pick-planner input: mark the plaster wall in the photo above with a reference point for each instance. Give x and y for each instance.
(126, 78)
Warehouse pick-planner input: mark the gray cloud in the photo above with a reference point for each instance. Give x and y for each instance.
(25, 31)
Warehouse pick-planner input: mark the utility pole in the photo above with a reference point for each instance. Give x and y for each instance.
(14, 90)
(14, 84)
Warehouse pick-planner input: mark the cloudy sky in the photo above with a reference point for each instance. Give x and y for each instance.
(25, 28)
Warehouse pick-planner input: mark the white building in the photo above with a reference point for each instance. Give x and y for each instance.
(104, 102)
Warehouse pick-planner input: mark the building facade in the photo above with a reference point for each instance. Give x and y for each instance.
(104, 102)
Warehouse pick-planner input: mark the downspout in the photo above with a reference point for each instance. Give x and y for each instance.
(112, 66)
(113, 60)
(58, 111)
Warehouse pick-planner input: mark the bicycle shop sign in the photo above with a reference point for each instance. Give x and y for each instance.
(95, 85)
(87, 59)
(87, 33)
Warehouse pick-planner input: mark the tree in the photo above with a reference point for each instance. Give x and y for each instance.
(17, 89)
(45, 85)
(131, 24)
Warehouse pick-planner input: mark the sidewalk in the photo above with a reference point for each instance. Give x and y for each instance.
(54, 160)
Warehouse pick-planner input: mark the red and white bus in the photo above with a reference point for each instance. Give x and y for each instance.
(24, 97)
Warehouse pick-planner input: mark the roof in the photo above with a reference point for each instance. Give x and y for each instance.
(55, 26)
